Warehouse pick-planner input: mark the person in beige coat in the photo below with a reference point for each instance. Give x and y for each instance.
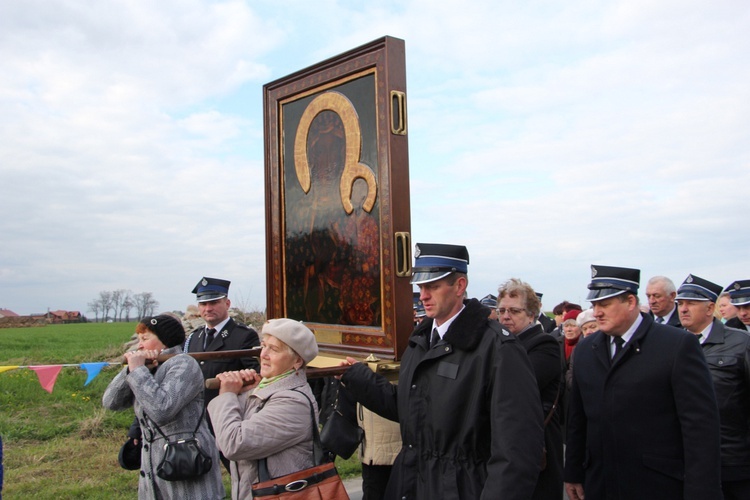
(270, 417)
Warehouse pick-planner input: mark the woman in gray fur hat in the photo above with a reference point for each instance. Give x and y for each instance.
(170, 396)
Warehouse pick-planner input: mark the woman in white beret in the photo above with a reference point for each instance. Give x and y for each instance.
(267, 414)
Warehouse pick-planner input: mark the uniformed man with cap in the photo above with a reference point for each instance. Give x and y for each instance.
(643, 420)
(727, 352)
(221, 333)
(467, 400)
(739, 296)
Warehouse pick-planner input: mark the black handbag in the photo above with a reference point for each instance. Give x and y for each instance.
(183, 458)
(341, 434)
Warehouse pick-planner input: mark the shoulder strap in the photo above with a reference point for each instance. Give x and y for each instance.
(264, 475)
(200, 419)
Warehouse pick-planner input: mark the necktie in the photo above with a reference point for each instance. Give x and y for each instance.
(618, 346)
(435, 337)
(209, 337)
(659, 319)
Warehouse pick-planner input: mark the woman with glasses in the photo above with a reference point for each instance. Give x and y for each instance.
(518, 310)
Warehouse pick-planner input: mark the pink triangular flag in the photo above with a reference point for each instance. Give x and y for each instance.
(47, 375)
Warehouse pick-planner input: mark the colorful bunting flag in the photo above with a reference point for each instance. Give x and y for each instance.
(93, 370)
(47, 375)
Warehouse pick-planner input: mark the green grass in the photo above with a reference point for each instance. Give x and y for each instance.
(64, 444)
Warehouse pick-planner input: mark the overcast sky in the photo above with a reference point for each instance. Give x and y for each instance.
(544, 136)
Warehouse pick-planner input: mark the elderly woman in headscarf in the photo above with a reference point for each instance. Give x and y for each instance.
(168, 395)
(267, 414)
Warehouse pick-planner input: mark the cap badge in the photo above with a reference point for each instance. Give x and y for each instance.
(417, 252)
(737, 286)
(689, 278)
(204, 282)
(593, 272)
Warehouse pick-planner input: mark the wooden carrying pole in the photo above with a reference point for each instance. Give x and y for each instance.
(331, 371)
(213, 383)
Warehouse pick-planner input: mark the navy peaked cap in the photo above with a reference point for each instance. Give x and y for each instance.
(209, 289)
(696, 288)
(608, 281)
(433, 261)
(739, 292)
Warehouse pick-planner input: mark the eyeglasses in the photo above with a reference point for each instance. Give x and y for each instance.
(513, 311)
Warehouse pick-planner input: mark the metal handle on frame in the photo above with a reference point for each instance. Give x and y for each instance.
(403, 254)
(398, 112)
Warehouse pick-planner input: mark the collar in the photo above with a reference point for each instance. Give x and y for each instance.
(443, 329)
(629, 334)
(221, 325)
(667, 317)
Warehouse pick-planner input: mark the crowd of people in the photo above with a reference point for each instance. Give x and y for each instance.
(489, 401)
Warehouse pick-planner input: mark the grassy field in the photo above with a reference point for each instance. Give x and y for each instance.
(64, 444)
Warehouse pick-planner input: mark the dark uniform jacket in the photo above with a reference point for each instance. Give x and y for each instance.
(232, 337)
(645, 425)
(736, 323)
(727, 353)
(469, 412)
(545, 356)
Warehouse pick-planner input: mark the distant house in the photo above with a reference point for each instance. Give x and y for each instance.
(7, 313)
(64, 316)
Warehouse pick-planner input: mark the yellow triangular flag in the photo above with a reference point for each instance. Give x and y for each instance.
(7, 368)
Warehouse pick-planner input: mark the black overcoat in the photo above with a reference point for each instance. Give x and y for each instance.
(469, 412)
(727, 353)
(645, 425)
(546, 359)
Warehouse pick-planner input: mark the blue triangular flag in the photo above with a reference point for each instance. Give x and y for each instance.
(93, 370)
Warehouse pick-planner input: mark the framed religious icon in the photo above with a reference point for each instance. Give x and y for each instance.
(337, 200)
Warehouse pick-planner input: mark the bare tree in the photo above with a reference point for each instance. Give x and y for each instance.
(116, 303)
(144, 304)
(105, 303)
(95, 306)
(127, 305)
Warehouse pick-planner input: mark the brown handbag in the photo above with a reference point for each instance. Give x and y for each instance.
(320, 482)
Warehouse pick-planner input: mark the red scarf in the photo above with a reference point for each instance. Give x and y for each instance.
(569, 346)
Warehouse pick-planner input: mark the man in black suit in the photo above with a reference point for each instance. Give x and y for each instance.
(643, 420)
(727, 353)
(661, 293)
(221, 333)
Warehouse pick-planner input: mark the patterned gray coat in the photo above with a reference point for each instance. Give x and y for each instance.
(172, 397)
(273, 423)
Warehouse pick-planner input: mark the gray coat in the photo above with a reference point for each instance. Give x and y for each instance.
(172, 397)
(273, 423)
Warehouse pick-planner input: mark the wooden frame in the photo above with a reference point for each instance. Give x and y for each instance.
(337, 200)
